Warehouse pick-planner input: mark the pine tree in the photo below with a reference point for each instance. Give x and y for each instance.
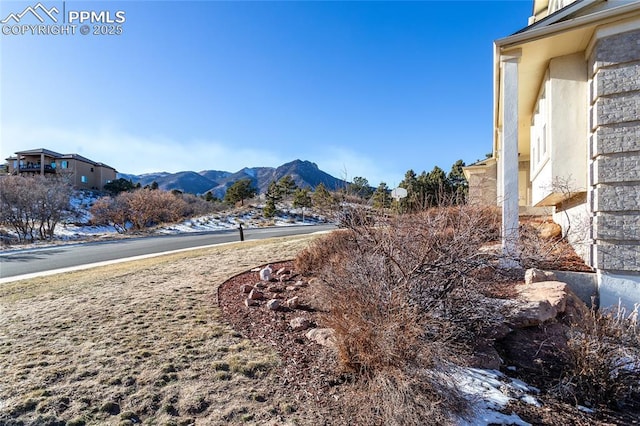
(381, 197)
(239, 191)
(286, 186)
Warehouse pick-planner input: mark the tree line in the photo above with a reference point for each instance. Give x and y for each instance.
(426, 190)
(33, 207)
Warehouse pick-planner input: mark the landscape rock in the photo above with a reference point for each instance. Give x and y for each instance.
(292, 288)
(275, 289)
(256, 294)
(246, 288)
(299, 324)
(539, 302)
(528, 314)
(250, 302)
(549, 230)
(293, 302)
(314, 282)
(265, 273)
(273, 304)
(300, 283)
(282, 271)
(534, 275)
(260, 285)
(322, 336)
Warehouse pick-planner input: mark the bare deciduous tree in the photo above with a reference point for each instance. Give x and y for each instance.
(33, 206)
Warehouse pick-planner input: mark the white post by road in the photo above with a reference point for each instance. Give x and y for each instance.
(509, 160)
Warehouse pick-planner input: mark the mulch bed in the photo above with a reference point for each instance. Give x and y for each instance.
(307, 372)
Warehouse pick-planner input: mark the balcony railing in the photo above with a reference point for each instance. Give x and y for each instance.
(35, 168)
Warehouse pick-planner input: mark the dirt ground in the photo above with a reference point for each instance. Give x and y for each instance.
(139, 342)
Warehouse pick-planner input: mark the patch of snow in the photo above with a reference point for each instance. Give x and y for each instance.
(490, 391)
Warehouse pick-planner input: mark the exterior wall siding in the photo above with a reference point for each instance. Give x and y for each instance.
(615, 153)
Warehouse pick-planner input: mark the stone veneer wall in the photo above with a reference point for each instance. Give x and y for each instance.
(614, 68)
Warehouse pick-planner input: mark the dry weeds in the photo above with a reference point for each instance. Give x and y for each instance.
(137, 342)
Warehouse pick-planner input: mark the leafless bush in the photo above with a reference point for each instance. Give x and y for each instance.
(604, 361)
(111, 211)
(33, 206)
(196, 206)
(142, 208)
(537, 251)
(329, 250)
(393, 296)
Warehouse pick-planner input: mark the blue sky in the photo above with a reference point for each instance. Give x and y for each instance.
(366, 89)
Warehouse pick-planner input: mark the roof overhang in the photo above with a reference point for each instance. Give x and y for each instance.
(536, 47)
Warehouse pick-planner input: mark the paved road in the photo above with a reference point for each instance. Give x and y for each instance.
(40, 260)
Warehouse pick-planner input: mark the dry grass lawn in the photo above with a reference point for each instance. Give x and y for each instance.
(138, 342)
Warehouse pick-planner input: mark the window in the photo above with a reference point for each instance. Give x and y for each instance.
(544, 140)
(83, 179)
(64, 165)
(53, 165)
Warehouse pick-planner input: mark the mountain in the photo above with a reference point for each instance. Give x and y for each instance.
(305, 174)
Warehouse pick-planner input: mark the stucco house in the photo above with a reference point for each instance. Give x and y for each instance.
(83, 173)
(567, 134)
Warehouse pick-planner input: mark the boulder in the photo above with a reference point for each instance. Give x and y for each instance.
(293, 302)
(250, 302)
(256, 294)
(534, 275)
(540, 302)
(322, 336)
(300, 283)
(273, 304)
(282, 271)
(549, 230)
(265, 273)
(299, 324)
(246, 288)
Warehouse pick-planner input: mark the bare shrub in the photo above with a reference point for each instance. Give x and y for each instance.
(329, 249)
(33, 206)
(142, 209)
(196, 206)
(546, 253)
(394, 296)
(110, 211)
(604, 361)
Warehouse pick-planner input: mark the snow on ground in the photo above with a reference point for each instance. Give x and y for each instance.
(77, 228)
(490, 391)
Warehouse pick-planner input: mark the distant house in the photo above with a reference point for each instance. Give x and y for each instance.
(567, 134)
(84, 173)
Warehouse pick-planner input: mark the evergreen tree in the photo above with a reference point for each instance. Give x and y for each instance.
(286, 186)
(360, 187)
(273, 195)
(381, 197)
(301, 198)
(239, 191)
(458, 183)
(119, 185)
(322, 198)
(270, 209)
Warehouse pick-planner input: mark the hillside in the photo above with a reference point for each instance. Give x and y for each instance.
(305, 173)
